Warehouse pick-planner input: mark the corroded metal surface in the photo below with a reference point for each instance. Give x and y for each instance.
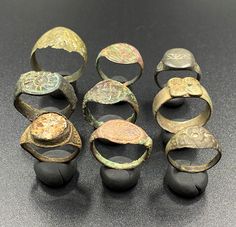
(121, 132)
(177, 59)
(48, 127)
(121, 53)
(39, 84)
(193, 137)
(109, 92)
(181, 87)
(50, 130)
(187, 86)
(65, 39)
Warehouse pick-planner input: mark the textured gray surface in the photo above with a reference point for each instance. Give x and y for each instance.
(205, 27)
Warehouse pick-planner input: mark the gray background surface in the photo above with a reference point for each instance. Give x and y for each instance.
(205, 27)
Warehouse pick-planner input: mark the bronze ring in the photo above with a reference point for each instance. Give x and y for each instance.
(109, 92)
(120, 53)
(181, 87)
(40, 84)
(65, 39)
(177, 59)
(193, 137)
(121, 132)
(50, 130)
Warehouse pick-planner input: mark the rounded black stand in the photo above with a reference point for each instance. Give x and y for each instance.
(176, 102)
(188, 185)
(55, 174)
(51, 109)
(119, 180)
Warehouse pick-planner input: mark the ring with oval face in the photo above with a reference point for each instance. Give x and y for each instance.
(193, 137)
(120, 53)
(177, 59)
(121, 132)
(176, 87)
(50, 130)
(39, 84)
(64, 39)
(109, 92)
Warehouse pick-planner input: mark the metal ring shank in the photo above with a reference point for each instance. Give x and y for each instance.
(105, 77)
(31, 113)
(161, 68)
(175, 126)
(116, 165)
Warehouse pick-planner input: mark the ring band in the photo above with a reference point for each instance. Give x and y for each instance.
(50, 130)
(193, 137)
(181, 87)
(39, 84)
(120, 53)
(121, 132)
(177, 59)
(109, 92)
(65, 39)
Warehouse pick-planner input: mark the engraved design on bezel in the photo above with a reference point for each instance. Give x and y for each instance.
(183, 87)
(122, 53)
(39, 83)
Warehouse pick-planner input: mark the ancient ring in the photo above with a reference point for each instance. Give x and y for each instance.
(193, 137)
(65, 39)
(50, 130)
(39, 84)
(121, 132)
(181, 87)
(120, 53)
(177, 59)
(109, 92)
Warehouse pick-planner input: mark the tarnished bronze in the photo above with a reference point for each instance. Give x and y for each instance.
(40, 84)
(109, 92)
(50, 130)
(120, 53)
(121, 132)
(193, 137)
(177, 59)
(181, 87)
(65, 39)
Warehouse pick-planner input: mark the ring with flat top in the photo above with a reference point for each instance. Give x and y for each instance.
(109, 92)
(65, 39)
(50, 130)
(121, 132)
(177, 59)
(40, 84)
(193, 137)
(187, 87)
(120, 53)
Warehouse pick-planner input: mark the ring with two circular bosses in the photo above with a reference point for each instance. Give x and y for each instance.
(64, 39)
(109, 92)
(120, 53)
(121, 132)
(50, 130)
(187, 87)
(193, 137)
(40, 84)
(177, 59)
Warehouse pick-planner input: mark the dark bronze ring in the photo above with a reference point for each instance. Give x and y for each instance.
(50, 130)
(177, 59)
(193, 137)
(109, 92)
(120, 53)
(65, 39)
(121, 132)
(40, 84)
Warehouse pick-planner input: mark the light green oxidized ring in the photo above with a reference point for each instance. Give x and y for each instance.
(109, 92)
(39, 84)
(121, 53)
